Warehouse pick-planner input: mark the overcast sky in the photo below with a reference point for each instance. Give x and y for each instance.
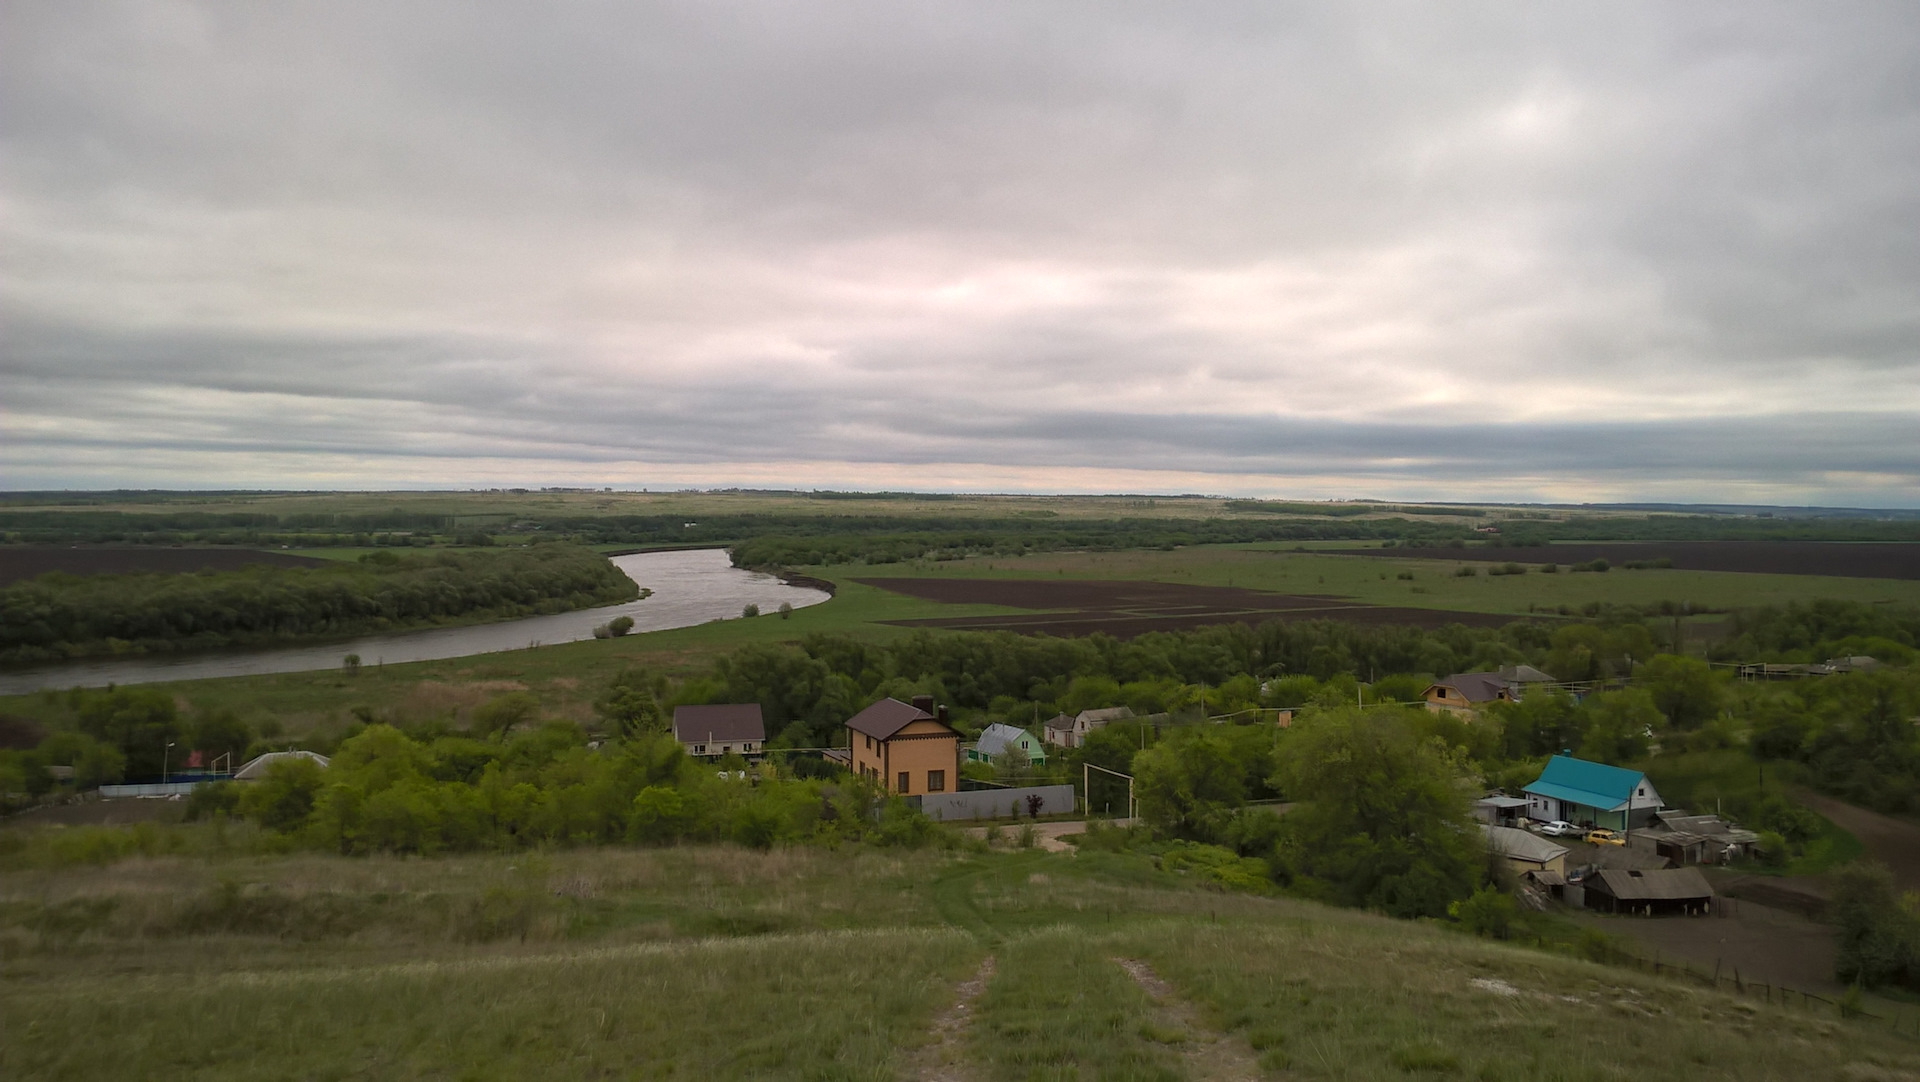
(1413, 251)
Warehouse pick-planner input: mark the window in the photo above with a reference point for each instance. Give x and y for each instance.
(1643, 790)
(936, 781)
(905, 783)
(699, 749)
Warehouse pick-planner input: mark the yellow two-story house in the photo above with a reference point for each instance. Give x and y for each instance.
(907, 747)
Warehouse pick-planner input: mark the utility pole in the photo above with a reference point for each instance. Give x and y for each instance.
(163, 761)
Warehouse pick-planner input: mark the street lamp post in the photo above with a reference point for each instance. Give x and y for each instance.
(163, 761)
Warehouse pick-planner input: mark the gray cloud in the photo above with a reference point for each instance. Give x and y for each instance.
(1378, 249)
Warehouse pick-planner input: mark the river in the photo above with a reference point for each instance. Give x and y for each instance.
(690, 587)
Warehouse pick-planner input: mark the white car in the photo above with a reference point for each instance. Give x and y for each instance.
(1560, 828)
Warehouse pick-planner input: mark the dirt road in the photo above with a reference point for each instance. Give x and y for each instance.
(1893, 842)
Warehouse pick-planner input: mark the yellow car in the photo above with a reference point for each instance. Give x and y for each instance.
(1605, 837)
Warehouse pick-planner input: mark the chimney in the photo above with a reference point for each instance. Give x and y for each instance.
(923, 703)
(942, 713)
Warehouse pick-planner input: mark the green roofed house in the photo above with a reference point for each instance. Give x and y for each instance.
(998, 738)
(1592, 794)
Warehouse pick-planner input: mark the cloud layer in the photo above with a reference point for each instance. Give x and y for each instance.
(1639, 252)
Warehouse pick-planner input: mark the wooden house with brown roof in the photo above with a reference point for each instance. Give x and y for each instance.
(907, 747)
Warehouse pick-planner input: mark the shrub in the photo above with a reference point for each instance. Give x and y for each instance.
(751, 610)
(620, 625)
(1490, 912)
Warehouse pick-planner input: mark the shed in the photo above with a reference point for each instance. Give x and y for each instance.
(1500, 810)
(1665, 892)
(1526, 852)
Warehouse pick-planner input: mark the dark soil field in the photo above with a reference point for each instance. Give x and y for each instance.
(1128, 608)
(1848, 560)
(19, 562)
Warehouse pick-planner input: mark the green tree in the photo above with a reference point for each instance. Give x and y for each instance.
(1682, 688)
(94, 762)
(631, 703)
(140, 722)
(1620, 725)
(1384, 817)
(220, 732)
(284, 798)
(1878, 935)
(1190, 784)
(503, 713)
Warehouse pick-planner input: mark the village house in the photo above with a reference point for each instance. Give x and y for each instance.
(907, 747)
(720, 729)
(997, 739)
(1070, 732)
(1467, 692)
(1592, 794)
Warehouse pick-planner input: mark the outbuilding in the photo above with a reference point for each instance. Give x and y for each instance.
(1526, 852)
(1653, 893)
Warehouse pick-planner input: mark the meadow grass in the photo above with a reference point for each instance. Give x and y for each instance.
(1434, 585)
(716, 962)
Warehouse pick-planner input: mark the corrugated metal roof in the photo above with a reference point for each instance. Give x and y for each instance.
(997, 738)
(256, 767)
(1612, 785)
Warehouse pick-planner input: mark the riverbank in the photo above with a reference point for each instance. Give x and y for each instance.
(688, 588)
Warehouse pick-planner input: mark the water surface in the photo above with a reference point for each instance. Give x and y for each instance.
(689, 588)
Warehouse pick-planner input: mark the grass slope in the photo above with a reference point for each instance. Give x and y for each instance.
(837, 965)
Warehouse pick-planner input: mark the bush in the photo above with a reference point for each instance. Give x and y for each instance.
(620, 625)
(1879, 933)
(214, 798)
(1490, 912)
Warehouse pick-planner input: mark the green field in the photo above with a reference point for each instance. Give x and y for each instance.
(566, 677)
(1435, 583)
(723, 963)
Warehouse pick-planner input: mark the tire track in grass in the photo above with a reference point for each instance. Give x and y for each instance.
(1216, 1057)
(940, 1060)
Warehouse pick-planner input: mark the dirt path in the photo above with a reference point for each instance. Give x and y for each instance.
(940, 1061)
(1893, 842)
(1213, 1056)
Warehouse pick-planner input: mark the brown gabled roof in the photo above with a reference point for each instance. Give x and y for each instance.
(724, 723)
(887, 717)
(1673, 884)
(1061, 721)
(1478, 687)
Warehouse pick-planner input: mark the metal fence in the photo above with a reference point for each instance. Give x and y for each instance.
(999, 803)
(171, 788)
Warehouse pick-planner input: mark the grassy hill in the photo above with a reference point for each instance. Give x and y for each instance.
(857, 963)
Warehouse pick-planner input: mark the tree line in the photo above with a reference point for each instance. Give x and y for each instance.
(59, 616)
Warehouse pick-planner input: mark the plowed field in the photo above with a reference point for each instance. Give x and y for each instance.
(1890, 560)
(1128, 608)
(19, 562)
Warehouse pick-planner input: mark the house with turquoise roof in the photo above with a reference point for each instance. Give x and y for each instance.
(1592, 794)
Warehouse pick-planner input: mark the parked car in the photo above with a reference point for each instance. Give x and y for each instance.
(1602, 836)
(1559, 828)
